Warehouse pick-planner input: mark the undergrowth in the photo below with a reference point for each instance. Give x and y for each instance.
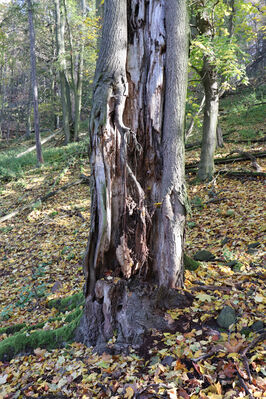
(244, 113)
(14, 168)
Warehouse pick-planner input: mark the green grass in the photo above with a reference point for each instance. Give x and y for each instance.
(244, 113)
(14, 168)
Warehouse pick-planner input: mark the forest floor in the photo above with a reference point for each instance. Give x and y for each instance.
(41, 251)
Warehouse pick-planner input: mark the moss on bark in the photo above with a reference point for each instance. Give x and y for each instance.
(68, 303)
(190, 264)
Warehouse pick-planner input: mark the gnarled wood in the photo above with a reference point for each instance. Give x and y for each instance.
(137, 159)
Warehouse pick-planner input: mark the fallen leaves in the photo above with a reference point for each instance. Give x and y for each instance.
(41, 256)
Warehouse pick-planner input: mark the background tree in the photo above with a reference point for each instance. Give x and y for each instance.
(137, 159)
(219, 61)
(17, 106)
(34, 84)
(64, 84)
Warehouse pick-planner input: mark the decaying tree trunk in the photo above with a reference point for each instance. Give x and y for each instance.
(137, 159)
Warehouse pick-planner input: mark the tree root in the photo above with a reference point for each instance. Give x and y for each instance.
(128, 309)
(219, 347)
(243, 385)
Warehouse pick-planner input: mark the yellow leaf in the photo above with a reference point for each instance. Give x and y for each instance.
(233, 355)
(204, 297)
(129, 393)
(259, 298)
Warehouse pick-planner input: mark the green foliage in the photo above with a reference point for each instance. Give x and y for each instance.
(6, 312)
(220, 45)
(219, 37)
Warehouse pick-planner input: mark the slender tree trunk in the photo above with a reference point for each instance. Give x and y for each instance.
(71, 87)
(79, 79)
(137, 159)
(3, 95)
(192, 122)
(60, 39)
(210, 120)
(219, 136)
(28, 115)
(34, 84)
(231, 18)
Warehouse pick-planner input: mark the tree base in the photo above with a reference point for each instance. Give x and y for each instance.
(127, 310)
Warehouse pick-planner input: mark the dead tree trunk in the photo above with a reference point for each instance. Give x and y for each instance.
(137, 159)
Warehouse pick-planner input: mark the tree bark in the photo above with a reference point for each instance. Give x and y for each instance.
(99, 14)
(210, 120)
(137, 158)
(34, 84)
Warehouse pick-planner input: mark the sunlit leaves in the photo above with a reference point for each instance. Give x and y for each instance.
(223, 48)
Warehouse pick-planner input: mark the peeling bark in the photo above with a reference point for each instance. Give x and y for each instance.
(137, 159)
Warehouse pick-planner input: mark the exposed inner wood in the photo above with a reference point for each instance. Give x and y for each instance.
(137, 160)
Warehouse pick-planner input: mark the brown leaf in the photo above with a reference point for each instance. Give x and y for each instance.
(234, 346)
(229, 370)
(181, 392)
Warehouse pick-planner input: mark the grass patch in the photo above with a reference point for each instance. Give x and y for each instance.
(244, 113)
(14, 168)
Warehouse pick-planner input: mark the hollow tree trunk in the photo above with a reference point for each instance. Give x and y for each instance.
(210, 120)
(137, 159)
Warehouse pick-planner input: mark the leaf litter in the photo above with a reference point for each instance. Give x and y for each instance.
(41, 259)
